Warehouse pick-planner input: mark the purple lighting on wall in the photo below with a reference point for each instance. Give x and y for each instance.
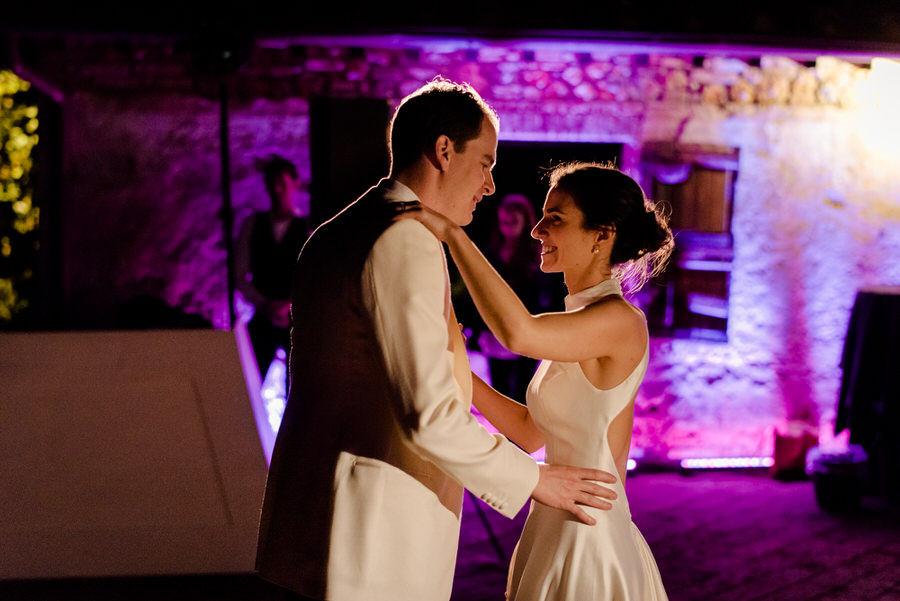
(815, 198)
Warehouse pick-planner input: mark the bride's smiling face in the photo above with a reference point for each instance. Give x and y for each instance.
(565, 244)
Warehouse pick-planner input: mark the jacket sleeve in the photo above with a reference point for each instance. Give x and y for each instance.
(408, 292)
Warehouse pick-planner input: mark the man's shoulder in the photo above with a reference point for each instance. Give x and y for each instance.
(408, 232)
(408, 247)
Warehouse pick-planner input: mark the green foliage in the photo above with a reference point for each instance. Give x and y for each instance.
(19, 217)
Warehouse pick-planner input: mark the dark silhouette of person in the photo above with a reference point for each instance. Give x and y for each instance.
(267, 248)
(516, 256)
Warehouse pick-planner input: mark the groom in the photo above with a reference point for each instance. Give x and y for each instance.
(365, 488)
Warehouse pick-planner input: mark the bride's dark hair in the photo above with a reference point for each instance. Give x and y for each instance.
(609, 198)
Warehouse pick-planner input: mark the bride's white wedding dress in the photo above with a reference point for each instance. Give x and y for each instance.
(558, 558)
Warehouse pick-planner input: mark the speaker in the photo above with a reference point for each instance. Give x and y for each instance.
(348, 151)
(126, 453)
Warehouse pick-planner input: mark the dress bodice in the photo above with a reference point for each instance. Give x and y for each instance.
(574, 415)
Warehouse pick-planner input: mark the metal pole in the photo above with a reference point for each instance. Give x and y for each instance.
(227, 215)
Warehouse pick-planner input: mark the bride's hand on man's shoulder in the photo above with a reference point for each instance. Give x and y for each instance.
(439, 225)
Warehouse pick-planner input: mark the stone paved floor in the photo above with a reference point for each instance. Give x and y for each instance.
(717, 536)
(731, 536)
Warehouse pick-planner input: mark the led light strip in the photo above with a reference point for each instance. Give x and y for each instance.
(699, 463)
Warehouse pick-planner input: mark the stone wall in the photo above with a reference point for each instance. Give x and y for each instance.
(816, 207)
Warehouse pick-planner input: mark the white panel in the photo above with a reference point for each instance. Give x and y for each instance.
(126, 453)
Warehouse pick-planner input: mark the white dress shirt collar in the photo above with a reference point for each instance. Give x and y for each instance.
(397, 192)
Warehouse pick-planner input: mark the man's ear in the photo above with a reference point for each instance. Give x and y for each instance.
(443, 150)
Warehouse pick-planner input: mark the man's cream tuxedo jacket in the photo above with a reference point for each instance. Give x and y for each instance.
(364, 493)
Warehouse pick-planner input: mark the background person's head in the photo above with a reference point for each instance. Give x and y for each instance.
(515, 217)
(283, 186)
(510, 238)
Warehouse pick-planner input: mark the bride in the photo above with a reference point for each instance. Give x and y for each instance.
(598, 229)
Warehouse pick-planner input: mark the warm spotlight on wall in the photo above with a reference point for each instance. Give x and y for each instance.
(877, 123)
(885, 79)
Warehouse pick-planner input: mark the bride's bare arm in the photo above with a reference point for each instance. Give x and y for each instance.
(598, 330)
(511, 418)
